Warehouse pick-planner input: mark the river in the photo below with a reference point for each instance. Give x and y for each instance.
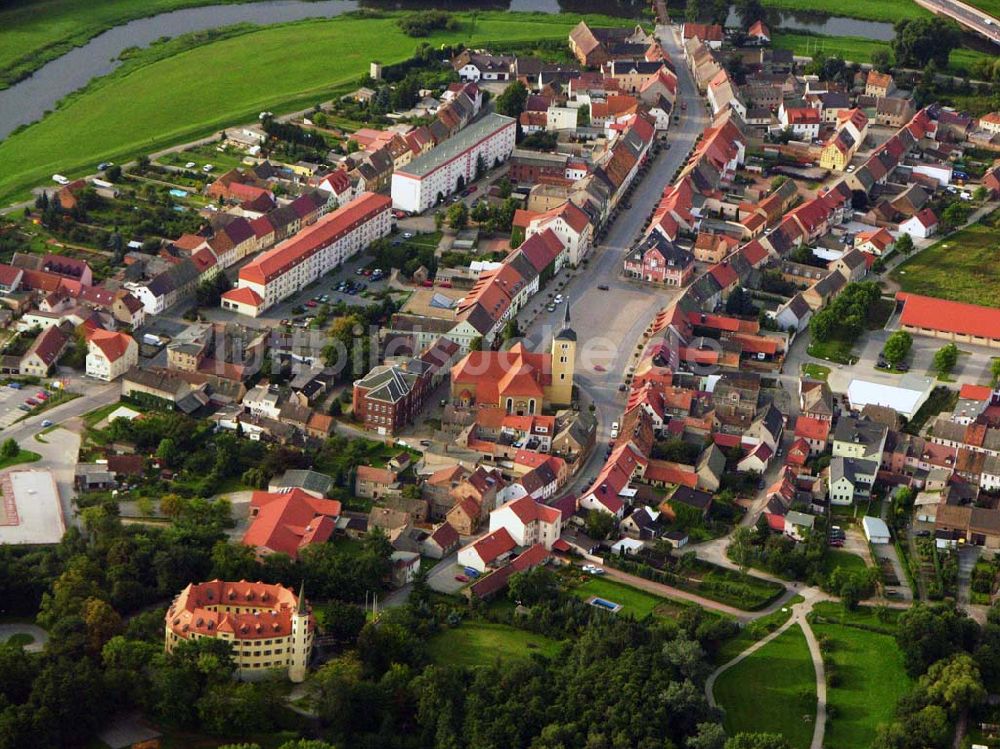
(28, 100)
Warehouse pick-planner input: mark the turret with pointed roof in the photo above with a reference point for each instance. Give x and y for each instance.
(567, 333)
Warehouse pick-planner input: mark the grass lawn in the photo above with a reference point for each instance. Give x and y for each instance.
(23, 456)
(841, 352)
(477, 643)
(869, 679)
(773, 690)
(889, 11)
(19, 640)
(963, 267)
(637, 603)
(837, 558)
(144, 107)
(755, 630)
(856, 49)
(815, 371)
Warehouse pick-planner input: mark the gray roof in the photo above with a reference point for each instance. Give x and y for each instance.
(462, 140)
(312, 481)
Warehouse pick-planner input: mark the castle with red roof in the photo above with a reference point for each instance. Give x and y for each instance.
(267, 626)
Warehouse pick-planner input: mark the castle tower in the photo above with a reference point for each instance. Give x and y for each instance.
(301, 643)
(563, 363)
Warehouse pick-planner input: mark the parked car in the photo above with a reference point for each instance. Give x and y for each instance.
(24, 407)
(462, 578)
(425, 443)
(190, 165)
(603, 286)
(311, 303)
(15, 385)
(923, 533)
(32, 402)
(46, 423)
(614, 429)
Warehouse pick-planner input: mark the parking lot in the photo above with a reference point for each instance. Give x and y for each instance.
(10, 401)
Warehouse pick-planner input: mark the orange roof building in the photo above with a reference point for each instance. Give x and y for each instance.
(952, 321)
(278, 273)
(267, 626)
(286, 522)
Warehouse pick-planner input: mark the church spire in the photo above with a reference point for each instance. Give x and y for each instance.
(567, 333)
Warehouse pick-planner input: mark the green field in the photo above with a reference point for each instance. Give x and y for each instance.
(758, 629)
(889, 11)
(637, 603)
(869, 679)
(964, 267)
(40, 30)
(857, 49)
(477, 643)
(280, 68)
(774, 690)
(815, 371)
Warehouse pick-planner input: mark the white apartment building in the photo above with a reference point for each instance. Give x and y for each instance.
(528, 522)
(433, 176)
(313, 252)
(110, 355)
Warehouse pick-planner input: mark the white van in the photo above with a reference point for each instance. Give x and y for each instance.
(60, 179)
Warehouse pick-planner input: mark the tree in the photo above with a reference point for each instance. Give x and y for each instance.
(740, 303)
(904, 245)
(945, 359)
(511, 102)
(918, 41)
(709, 736)
(692, 10)
(533, 586)
(955, 214)
(741, 548)
(600, 524)
(897, 346)
(102, 623)
(748, 740)
(458, 216)
(750, 11)
(995, 370)
(9, 449)
(926, 634)
(168, 452)
(881, 60)
(953, 683)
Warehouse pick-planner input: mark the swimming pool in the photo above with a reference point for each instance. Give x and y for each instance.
(179, 193)
(603, 603)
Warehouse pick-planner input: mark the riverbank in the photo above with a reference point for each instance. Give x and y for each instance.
(146, 106)
(38, 32)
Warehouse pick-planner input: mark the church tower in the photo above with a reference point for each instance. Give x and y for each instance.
(563, 363)
(301, 639)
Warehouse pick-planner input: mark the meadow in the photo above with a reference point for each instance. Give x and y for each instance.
(888, 11)
(143, 108)
(858, 49)
(865, 673)
(963, 267)
(773, 690)
(474, 643)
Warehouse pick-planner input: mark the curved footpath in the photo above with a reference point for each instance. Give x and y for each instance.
(800, 612)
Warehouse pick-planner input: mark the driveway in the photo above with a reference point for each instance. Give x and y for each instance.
(38, 635)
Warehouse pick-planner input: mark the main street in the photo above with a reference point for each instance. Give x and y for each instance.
(610, 323)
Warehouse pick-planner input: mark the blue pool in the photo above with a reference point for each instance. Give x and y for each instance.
(603, 603)
(179, 193)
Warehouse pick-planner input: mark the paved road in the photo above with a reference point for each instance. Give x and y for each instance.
(610, 324)
(971, 18)
(800, 611)
(61, 446)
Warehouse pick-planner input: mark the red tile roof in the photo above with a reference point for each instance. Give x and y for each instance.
(493, 545)
(976, 392)
(289, 521)
(113, 345)
(952, 317)
(812, 429)
(244, 295)
(307, 242)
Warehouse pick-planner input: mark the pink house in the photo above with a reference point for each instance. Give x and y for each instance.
(657, 260)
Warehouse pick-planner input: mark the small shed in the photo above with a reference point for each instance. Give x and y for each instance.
(876, 530)
(627, 547)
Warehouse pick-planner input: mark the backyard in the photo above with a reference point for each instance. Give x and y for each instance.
(865, 673)
(772, 690)
(837, 558)
(964, 267)
(474, 643)
(635, 602)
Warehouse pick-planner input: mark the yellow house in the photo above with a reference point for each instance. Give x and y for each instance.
(838, 151)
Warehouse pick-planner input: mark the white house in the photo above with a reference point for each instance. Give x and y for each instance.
(528, 522)
(798, 524)
(488, 551)
(110, 355)
(262, 400)
(921, 226)
(561, 118)
(757, 460)
(850, 478)
(571, 225)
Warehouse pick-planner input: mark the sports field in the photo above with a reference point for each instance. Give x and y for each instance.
(281, 68)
